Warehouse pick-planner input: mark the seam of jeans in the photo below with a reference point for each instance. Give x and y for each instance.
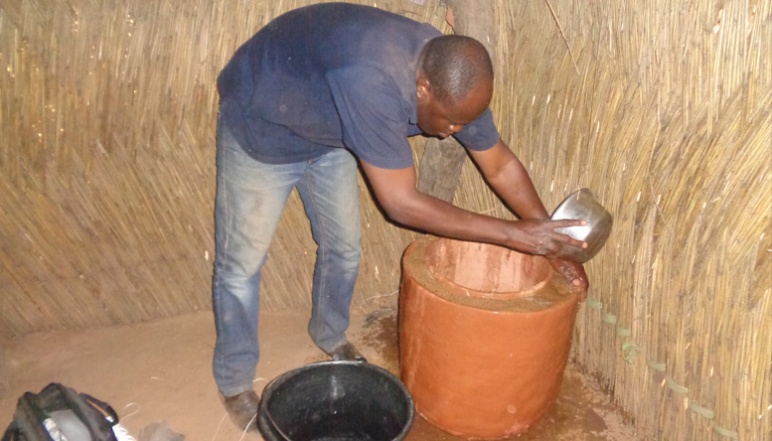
(321, 250)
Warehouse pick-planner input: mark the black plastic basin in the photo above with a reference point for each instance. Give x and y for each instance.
(335, 401)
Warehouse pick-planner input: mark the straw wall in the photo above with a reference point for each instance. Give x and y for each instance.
(662, 108)
(107, 119)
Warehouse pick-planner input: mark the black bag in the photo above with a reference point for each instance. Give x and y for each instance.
(58, 408)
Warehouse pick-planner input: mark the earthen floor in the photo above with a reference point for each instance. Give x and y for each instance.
(159, 372)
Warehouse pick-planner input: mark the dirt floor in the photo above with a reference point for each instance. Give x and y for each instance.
(159, 373)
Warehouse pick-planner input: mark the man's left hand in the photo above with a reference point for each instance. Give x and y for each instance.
(574, 272)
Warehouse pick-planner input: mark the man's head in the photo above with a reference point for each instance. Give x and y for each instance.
(454, 84)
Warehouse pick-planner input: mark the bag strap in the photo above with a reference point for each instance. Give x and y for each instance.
(106, 409)
(11, 433)
(27, 424)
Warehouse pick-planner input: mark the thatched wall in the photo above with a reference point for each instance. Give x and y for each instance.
(107, 184)
(663, 108)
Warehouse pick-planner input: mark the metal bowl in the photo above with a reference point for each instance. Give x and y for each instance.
(582, 204)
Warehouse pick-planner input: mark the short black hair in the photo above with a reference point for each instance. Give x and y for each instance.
(454, 64)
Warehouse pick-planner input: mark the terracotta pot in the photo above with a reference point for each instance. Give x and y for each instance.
(484, 335)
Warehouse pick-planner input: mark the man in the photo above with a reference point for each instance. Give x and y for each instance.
(306, 97)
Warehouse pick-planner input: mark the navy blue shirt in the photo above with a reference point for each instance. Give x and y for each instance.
(332, 75)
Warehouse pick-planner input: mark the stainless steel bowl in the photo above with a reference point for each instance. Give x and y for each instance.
(582, 204)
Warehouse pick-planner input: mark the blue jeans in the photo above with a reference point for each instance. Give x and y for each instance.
(250, 199)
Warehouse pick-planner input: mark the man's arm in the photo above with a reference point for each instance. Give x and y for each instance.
(396, 192)
(506, 175)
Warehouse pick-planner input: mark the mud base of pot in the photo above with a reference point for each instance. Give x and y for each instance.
(484, 336)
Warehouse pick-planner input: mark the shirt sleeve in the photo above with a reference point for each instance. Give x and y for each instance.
(373, 119)
(480, 134)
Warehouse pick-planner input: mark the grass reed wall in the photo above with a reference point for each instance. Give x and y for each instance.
(108, 116)
(662, 108)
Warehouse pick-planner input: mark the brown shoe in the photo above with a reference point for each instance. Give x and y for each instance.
(346, 351)
(242, 409)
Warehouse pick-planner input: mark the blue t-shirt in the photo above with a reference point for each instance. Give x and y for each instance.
(332, 75)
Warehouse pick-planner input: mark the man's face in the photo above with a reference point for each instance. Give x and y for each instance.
(436, 118)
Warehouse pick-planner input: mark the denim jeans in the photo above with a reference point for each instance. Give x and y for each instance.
(250, 199)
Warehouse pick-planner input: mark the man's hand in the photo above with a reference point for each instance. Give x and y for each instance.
(539, 236)
(574, 272)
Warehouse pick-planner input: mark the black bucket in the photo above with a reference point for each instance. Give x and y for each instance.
(335, 401)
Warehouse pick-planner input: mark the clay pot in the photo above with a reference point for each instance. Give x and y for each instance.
(484, 336)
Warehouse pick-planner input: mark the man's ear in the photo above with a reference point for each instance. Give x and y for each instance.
(423, 88)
